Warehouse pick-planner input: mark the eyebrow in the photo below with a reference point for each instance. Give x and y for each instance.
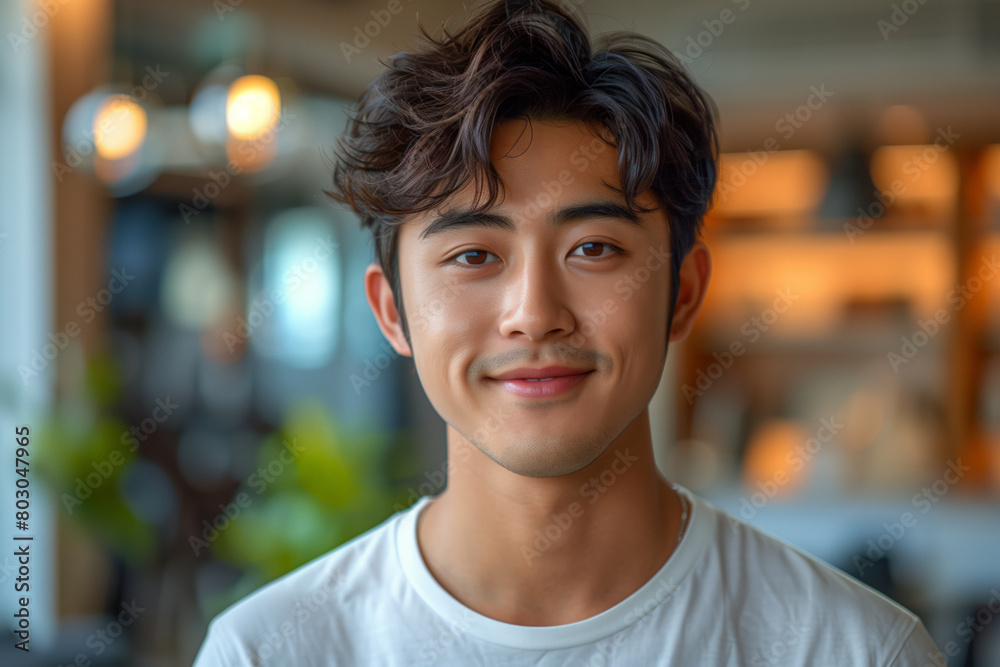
(457, 218)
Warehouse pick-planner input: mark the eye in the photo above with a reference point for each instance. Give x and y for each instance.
(476, 257)
(597, 246)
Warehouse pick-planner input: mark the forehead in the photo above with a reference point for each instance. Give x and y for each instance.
(555, 144)
(541, 163)
(529, 155)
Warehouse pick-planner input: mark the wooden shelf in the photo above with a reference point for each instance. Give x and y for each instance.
(803, 296)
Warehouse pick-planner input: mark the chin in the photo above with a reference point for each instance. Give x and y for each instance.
(546, 457)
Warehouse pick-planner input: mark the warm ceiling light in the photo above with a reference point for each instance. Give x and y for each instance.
(119, 127)
(918, 172)
(903, 124)
(763, 184)
(252, 107)
(992, 168)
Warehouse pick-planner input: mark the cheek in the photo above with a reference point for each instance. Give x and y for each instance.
(638, 331)
(429, 304)
(651, 307)
(447, 332)
(443, 309)
(626, 306)
(446, 323)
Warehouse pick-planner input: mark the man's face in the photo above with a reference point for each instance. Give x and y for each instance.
(590, 293)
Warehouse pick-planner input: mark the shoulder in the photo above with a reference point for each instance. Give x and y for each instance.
(776, 585)
(308, 602)
(768, 565)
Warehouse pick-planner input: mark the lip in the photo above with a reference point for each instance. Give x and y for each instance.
(558, 385)
(539, 373)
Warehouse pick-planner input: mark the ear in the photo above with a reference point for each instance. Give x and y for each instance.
(379, 294)
(696, 269)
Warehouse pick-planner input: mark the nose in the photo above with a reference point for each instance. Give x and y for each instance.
(535, 300)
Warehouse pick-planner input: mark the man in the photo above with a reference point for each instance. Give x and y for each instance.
(538, 321)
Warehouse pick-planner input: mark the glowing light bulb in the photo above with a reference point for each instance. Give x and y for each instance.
(252, 107)
(119, 127)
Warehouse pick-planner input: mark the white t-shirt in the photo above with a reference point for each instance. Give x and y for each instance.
(730, 594)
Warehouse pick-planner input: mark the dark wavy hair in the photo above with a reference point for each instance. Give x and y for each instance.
(421, 129)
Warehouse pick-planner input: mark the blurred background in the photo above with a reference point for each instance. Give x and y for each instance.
(210, 401)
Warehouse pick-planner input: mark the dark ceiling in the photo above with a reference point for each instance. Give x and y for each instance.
(759, 59)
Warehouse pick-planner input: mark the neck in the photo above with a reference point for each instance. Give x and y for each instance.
(550, 550)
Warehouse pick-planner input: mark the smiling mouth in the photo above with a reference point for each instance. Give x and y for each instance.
(554, 377)
(540, 388)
